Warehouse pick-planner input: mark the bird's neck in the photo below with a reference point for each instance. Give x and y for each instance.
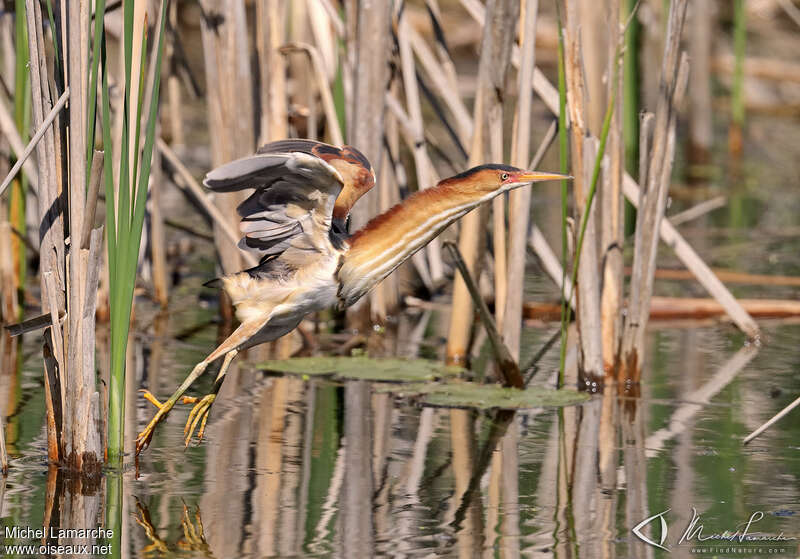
(391, 238)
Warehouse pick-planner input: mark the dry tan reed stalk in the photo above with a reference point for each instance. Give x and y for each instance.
(81, 439)
(588, 289)
(437, 74)
(11, 134)
(323, 86)
(668, 233)
(442, 52)
(774, 419)
(611, 203)
(505, 362)
(494, 61)
(583, 151)
(670, 236)
(53, 349)
(698, 210)
(519, 200)
(51, 232)
(158, 242)
(700, 111)
(759, 67)
(656, 176)
(230, 106)
(173, 81)
(369, 78)
(191, 184)
(139, 29)
(325, 26)
(422, 164)
(732, 276)
(270, 24)
(88, 417)
(389, 191)
(92, 194)
(699, 269)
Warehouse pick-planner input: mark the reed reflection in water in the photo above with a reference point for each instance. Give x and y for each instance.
(297, 467)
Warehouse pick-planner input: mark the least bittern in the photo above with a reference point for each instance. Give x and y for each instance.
(295, 220)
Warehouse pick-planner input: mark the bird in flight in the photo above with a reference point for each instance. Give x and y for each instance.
(295, 221)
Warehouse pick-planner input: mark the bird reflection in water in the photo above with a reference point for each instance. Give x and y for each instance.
(193, 539)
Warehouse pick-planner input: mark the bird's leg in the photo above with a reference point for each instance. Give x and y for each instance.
(143, 440)
(244, 332)
(200, 411)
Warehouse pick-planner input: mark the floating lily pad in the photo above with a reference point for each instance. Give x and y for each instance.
(364, 368)
(457, 394)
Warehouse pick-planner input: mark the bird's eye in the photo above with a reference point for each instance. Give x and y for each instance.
(504, 177)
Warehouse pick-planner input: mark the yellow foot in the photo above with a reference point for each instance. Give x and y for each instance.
(199, 414)
(143, 440)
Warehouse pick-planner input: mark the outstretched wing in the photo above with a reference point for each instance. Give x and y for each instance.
(291, 207)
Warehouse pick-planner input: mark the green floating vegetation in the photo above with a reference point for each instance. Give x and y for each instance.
(434, 383)
(458, 394)
(364, 368)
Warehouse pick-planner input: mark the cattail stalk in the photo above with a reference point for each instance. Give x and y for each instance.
(519, 200)
(496, 45)
(674, 73)
(369, 33)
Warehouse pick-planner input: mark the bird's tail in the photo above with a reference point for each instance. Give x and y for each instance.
(215, 283)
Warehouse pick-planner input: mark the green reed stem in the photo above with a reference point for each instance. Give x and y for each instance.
(592, 189)
(22, 112)
(92, 88)
(630, 103)
(124, 220)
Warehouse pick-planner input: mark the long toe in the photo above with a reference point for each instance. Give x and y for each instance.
(198, 416)
(147, 395)
(144, 438)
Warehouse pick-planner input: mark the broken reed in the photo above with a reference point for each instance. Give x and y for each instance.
(566, 297)
(124, 219)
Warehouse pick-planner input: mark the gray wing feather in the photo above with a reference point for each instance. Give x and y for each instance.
(293, 199)
(249, 172)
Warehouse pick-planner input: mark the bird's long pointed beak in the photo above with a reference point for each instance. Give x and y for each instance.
(538, 176)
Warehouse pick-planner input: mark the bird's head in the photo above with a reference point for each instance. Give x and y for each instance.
(494, 178)
(359, 178)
